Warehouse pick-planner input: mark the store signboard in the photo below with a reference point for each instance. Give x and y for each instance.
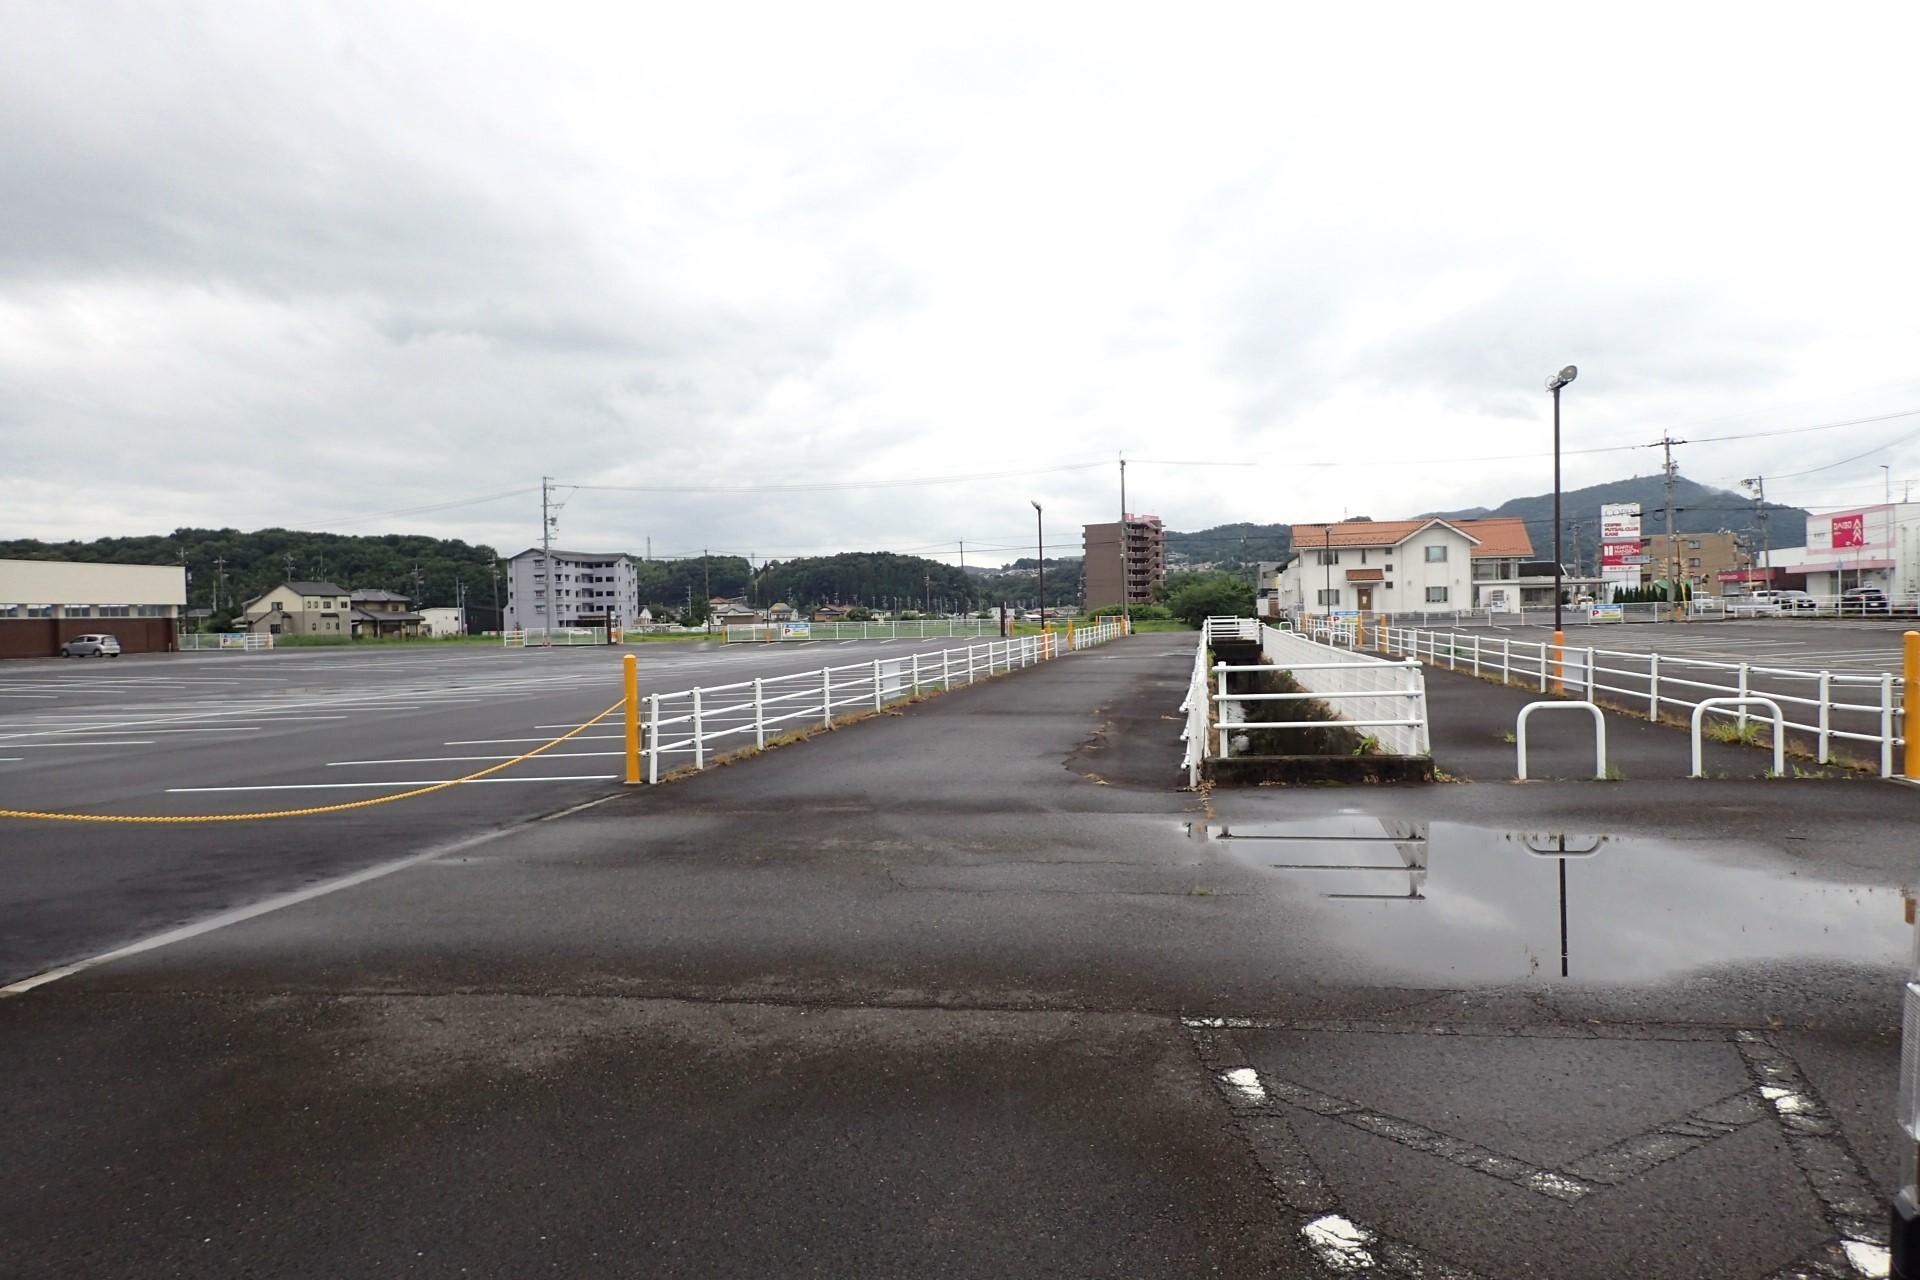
(1619, 522)
(1865, 532)
(1620, 543)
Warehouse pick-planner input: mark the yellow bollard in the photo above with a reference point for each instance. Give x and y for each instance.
(1911, 728)
(1559, 662)
(1069, 637)
(632, 678)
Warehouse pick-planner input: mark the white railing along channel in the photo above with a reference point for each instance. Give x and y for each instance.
(695, 726)
(1830, 705)
(1324, 673)
(193, 641)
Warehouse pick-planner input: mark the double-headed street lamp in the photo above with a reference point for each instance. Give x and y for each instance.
(1554, 384)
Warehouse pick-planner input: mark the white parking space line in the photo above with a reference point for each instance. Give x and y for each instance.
(418, 782)
(47, 746)
(548, 755)
(494, 742)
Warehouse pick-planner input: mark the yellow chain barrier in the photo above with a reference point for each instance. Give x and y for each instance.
(303, 813)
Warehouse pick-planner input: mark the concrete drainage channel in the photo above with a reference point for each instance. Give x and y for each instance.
(1282, 708)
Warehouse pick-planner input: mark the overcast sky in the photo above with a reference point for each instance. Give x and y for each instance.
(303, 265)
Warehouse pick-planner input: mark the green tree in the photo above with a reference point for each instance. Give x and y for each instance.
(1210, 595)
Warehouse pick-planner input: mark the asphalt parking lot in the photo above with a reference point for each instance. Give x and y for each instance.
(978, 990)
(174, 734)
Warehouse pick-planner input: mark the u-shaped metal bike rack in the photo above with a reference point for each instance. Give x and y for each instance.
(1599, 735)
(1746, 700)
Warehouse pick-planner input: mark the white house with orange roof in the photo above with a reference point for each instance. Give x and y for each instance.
(1425, 565)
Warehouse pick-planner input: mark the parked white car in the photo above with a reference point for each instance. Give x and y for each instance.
(1770, 604)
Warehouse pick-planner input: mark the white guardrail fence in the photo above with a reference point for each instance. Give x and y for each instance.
(1824, 707)
(1388, 698)
(696, 726)
(559, 637)
(922, 629)
(193, 641)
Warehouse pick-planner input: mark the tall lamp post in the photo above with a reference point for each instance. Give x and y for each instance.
(1554, 384)
(1040, 549)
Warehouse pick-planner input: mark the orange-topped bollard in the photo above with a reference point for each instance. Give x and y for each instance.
(1559, 661)
(631, 676)
(1911, 726)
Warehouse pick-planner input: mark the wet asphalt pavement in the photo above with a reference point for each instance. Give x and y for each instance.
(975, 989)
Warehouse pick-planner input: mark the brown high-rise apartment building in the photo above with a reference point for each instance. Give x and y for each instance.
(1124, 561)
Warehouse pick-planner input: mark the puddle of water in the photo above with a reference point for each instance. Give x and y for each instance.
(1452, 902)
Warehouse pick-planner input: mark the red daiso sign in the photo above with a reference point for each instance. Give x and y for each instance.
(1850, 531)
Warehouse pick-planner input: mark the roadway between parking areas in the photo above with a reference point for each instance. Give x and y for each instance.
(1809, 643)
(960, 993)
(299, 728)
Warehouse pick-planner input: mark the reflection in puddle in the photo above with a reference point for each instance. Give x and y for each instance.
(1450, 901)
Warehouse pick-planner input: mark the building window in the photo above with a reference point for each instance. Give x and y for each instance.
(1436, 555)
(1329, 596)
(1693, 562)
(1328, 557)
(78, 611)
(1363, 555)
(115, 611)
(39, 611)
(1693, 544)
(1436, 595)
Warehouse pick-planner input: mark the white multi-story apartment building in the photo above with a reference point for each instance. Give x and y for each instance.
(579, 588)
(1404, 566)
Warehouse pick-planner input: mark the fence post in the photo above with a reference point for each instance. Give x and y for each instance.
(1886, 724)
(1826, 701)
(876, 684)
(1543, 666)
(826, 696)
(1743, 693)
(1476, 653)
(1909, 758)
(970, 649)
(653, 738)
(946, 670)
(1653, 687)
(759, 715)
(1506, 660)
(630, 679)
(916, 675)
(699, 743)
(1226, 746)
(1589, 673)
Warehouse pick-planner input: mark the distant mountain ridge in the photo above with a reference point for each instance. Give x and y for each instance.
(1697, 508)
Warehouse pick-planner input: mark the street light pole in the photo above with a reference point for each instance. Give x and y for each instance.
(1554, 384)
(1040, 548)
(1326, 562)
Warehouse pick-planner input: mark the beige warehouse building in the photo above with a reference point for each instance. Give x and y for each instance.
(45, 603)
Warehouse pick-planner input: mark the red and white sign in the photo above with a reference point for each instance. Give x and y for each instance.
(1614, 554)
(1850, 530)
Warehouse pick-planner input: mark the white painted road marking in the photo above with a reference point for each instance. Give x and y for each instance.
(545, 755)
(419, 782)
(225, 918)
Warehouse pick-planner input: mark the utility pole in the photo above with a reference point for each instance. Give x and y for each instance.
(1040, 548)
(219, 580)
(1759, 486)
(289, 559)
(1673, 551)
(706, 577)
(1126, 586)
(552, 610)
(929, 586)
(493, 571)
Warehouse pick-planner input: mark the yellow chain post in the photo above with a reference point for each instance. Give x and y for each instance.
(630, 674)
(1911, 727)
(1559, 662)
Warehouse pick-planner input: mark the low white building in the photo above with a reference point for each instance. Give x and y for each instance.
(1877, 546)
(1403, 566)
(443, 621)
(578, 588)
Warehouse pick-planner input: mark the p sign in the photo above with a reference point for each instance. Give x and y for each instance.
(1606, 613)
